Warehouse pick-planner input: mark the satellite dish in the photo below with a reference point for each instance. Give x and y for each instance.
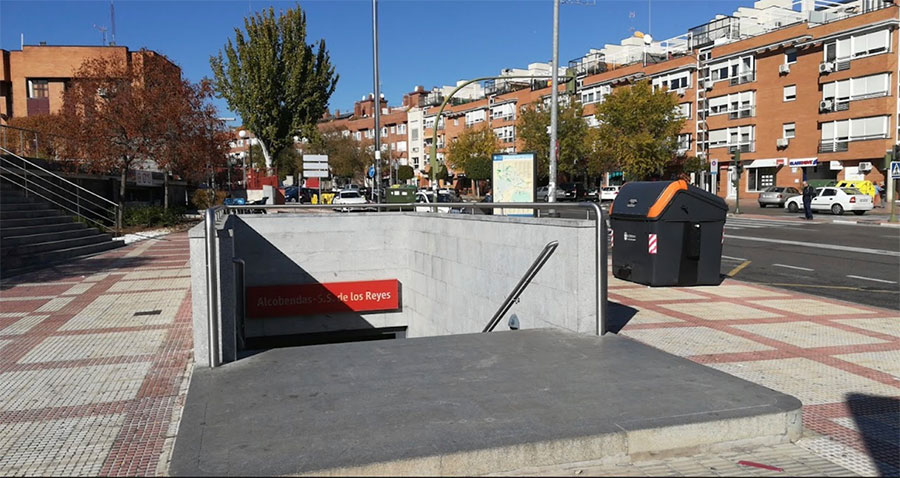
(648, 39)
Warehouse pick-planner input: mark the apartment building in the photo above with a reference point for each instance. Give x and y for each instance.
(33, 79)
(802, 89)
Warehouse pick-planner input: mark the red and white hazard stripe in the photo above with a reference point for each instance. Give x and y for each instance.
(612, 238)
(651, 244)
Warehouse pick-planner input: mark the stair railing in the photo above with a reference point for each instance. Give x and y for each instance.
(520, 287)
(86, 205)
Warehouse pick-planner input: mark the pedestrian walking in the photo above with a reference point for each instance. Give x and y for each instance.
(882, 192)
(808, 193)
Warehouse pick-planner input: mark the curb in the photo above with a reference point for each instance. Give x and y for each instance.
(866, 223)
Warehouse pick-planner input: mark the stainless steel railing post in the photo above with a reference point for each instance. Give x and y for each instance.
(212, 284)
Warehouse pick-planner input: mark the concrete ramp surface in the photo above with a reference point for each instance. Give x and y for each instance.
(465, 405)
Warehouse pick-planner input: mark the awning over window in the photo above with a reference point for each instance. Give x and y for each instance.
(767, 163)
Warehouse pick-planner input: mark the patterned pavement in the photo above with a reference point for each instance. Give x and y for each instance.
(841, 360)
(95, 359)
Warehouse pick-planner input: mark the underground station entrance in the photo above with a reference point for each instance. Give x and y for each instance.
(472, 384)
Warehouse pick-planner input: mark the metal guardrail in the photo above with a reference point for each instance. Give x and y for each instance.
(520, 287)
(215, 215)
(59, 191)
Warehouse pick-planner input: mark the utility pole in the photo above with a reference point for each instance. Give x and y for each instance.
(738, 169)
(554, 109)
(376, 191)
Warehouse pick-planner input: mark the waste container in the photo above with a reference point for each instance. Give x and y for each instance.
(667, 233)
(400, 194)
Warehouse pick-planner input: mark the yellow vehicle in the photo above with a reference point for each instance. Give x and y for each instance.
(865, 187)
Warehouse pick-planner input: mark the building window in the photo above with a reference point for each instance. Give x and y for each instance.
(414, 134)
(38, 89)
(857, 88)
(788, 130)
(790, 93)
(742, 69)
(683, 110)
(393, 129)
(790, 56)
(759, 179)
(401, 128)
(737, 105)
(858, 46)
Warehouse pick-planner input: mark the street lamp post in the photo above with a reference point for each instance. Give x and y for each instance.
(554, 108)
(243, 134)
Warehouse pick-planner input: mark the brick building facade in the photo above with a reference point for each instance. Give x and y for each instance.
(802, 91)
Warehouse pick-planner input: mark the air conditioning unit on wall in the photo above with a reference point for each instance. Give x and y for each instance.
(826, 105)
(826, 67)
(782, 142)
(865, 166)
(784, 69)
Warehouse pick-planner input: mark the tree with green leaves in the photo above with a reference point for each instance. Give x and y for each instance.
(405, 173)
(472, 152)
(571, 133)
(347, 157)
(639, 129)
(279, 84)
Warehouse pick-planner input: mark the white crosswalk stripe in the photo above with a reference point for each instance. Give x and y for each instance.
(749, 223)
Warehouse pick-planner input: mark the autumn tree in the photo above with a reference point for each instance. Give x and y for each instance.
(120, 115)
(39, 136)
(279, 84)
(347, 157)
(571, 133)
(638, 129)
(472, 152)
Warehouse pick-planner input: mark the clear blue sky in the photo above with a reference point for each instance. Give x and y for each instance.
(424, 42)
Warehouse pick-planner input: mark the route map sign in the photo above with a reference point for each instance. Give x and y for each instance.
(514, 180)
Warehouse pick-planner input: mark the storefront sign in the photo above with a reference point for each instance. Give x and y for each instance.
(803, 162)
(333, 297)
(835, 165)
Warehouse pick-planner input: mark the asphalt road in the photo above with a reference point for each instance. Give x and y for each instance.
(856, 263)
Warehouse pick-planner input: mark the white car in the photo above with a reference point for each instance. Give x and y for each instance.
(427, 197)
(348, 197)
(836, 200)
(609, 193)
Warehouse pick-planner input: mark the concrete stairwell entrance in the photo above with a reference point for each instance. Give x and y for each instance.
(34, 234)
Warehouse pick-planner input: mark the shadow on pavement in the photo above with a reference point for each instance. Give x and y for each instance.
(878, 421)
(618, 316)
(78, 268)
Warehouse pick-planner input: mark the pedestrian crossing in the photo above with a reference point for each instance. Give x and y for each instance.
(736, 224)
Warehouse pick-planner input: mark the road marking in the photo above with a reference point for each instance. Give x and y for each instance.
(734, 258)
(818, 246)
(739, 268)
(794, 267)
(842, 287)
(872, 279)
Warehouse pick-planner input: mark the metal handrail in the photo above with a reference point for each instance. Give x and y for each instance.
(54, 191)
(520, 287)
(601, 238)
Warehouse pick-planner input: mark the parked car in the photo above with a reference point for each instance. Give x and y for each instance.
(443, 196)
(348, 197)
(609, 193)
(541, 195)
(836, 200)
(777, 195)
(296, 194)
(574, 191)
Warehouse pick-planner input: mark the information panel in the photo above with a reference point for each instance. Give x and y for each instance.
(324, 298)
(514, 179)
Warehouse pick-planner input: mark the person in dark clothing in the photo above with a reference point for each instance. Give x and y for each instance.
(808, 193)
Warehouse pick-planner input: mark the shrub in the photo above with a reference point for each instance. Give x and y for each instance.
(152, 216)
(200, 199)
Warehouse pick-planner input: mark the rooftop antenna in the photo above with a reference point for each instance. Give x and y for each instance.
(112, 22)
(649, 16)
(102, 30)
(631, 16)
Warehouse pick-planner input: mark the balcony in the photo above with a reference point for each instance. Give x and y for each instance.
(744, 148)
(743, 78)
(744, 113)
(834, 146)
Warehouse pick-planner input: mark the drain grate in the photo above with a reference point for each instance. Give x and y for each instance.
(148, 312)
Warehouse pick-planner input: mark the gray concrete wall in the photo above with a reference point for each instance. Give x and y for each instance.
(454, 270)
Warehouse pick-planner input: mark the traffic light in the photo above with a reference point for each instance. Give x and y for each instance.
(571, 84)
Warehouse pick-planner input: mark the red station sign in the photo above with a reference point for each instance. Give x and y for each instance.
(333, 297)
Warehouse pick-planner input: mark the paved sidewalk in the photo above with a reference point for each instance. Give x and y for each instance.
(94, 362)
(841, 360)
(95, 358)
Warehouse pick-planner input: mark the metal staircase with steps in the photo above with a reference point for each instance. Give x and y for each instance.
(38, 225)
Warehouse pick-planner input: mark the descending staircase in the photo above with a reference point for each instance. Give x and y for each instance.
(35, 233)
